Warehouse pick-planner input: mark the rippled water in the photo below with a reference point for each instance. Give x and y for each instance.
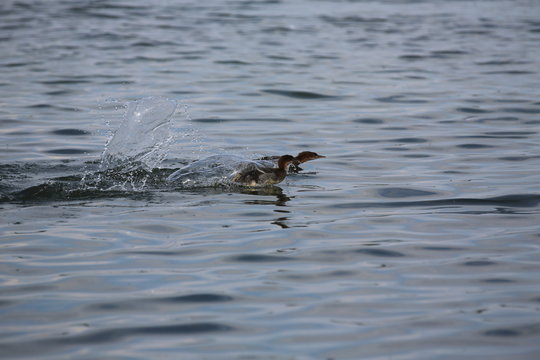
(418, 236)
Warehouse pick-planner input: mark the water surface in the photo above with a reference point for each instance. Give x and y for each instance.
(416, 238)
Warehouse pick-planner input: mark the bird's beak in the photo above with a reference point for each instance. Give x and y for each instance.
(320, 156)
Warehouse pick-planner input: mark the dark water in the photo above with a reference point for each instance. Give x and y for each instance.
(418, 237)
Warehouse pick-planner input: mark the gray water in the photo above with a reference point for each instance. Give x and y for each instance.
(418, 237)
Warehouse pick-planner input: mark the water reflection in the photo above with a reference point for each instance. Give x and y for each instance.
(281, 198)
(281, 222)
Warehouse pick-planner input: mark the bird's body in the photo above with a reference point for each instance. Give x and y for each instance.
(265, 175)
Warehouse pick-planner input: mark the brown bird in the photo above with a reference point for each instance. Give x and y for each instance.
(265, 175)
(302, 157)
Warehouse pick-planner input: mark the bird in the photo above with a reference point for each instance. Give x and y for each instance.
(302, 157)
(260, 176)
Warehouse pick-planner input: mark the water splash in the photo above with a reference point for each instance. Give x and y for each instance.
(143, 139)
(132, 156)
(137, 148)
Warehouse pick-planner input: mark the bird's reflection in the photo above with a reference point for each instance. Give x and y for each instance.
(280, 200)
(281, 222)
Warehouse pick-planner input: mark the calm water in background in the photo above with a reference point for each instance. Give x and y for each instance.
(417, 238)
